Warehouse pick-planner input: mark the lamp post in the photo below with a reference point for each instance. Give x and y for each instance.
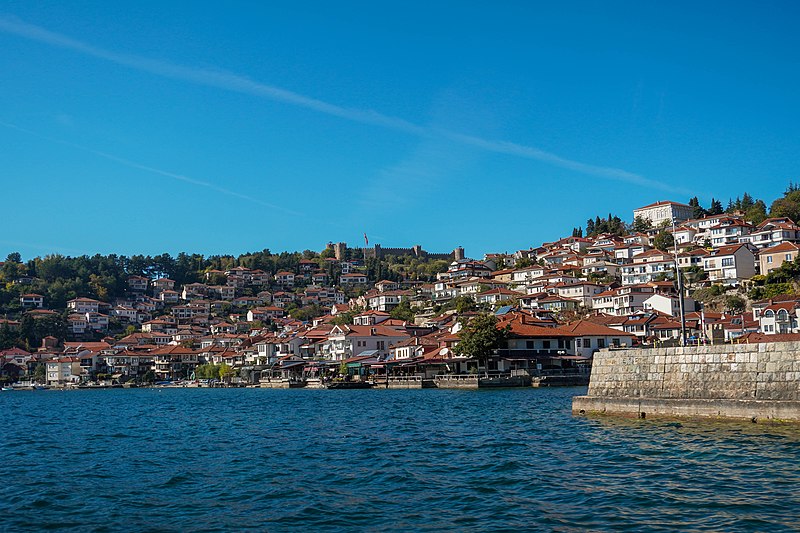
(680, 285)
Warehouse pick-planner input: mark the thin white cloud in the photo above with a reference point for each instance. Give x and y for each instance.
(237, 83)
(152, 170)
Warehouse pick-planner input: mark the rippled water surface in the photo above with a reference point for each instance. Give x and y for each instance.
(277, 460)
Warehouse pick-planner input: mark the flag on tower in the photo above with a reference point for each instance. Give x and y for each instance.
(366, 241)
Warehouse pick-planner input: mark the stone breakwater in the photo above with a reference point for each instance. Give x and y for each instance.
(758, 382)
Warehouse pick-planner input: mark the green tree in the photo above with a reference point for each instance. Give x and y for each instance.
(462, 304)
(207, 371)
(306, 313)
(7, 337)
(39, 373)
(734, 304)
(641, 224)
(697, 209)
(788, 206)
(480, 337)
(523, 262)
(225, 371)
(664, 241)
(715, 208)
(403, 311)
(756, 213)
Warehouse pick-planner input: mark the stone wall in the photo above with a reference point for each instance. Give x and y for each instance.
(740, 381)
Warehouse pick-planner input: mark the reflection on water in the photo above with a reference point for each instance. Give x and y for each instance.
(399, 460)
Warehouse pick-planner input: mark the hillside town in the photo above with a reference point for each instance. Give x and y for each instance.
(354, 314)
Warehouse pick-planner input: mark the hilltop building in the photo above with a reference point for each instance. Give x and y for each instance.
(662, 211)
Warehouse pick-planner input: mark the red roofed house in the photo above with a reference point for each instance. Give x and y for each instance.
(729, 231)
(353, 279)
(730, 264)
(773, 257)
(63, 370)
(285, 278)
(774, 231)
(138, 283)
(86, 305)
(779, 318)
(163, 284)
(348, 341)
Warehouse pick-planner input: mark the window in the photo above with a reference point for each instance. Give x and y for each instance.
(601, 343)
(587, 343)
(577, 343)
(546, 345)
(787, 257)
(728, 261)
(769, 259)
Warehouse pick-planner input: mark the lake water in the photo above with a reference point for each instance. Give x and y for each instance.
(280, 460)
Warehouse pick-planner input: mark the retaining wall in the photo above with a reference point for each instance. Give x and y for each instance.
(750, 381)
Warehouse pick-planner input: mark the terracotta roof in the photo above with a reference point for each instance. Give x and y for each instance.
(753, 337)
(782, 247)
(585, 327)
(662, 202)
(727, 250)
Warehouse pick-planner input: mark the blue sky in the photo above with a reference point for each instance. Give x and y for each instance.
(226, 128)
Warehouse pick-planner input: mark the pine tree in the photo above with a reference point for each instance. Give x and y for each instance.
(698, 211)
(747, 202)
(715, 208)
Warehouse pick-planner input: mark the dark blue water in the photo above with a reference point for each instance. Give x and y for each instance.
(278, 460)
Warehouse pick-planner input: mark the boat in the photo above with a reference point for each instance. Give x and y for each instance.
(8, 387)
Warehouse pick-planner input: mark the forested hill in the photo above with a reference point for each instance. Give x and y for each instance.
(104, 277)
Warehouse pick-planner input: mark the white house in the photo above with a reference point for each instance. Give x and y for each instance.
(646, 266)
(772, 232)
(352, 279)
(582, 292)
(662, 211)
(85, 305)
(668, 304)
(780, 317)
(730, 264)
(31, 301)
(773, 257)
(63, 370)
(348, 341)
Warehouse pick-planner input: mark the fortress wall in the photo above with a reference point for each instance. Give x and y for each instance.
(739, 381)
